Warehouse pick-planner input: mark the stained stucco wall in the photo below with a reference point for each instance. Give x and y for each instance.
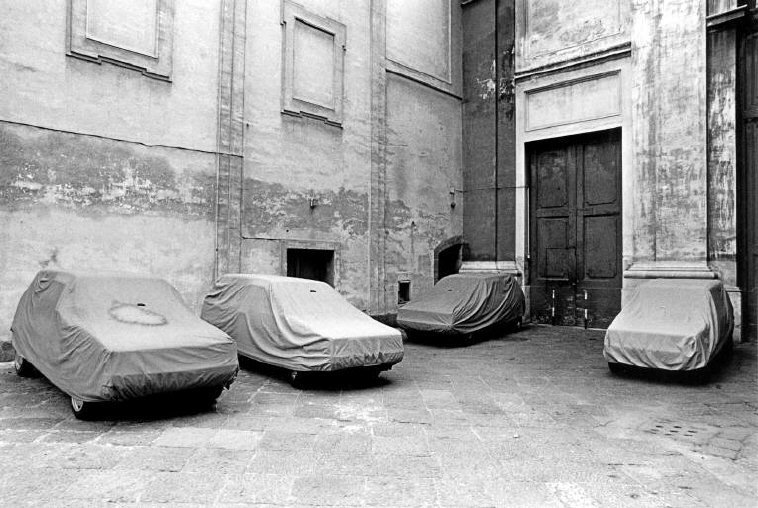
(102, 167)
(669, 131)
(722, 147)
(423, 166)
(310, 183)
(423, 137)
(294, 161)
(107, 168)
(489, 143)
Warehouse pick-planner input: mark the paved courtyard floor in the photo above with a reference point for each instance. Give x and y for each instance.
(526, 419)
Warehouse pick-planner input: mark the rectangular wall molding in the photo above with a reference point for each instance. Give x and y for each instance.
(588, 98)
(314, 60)
(137, 34)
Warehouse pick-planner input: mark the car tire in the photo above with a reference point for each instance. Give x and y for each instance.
(616, 368)
(728, 349)
(83, 410)
(371, 373)
(23, 367)
(296, 378)
(207, 397)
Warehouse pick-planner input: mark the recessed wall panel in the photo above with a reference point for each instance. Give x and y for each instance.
(128, 25)
(577, 101)
(313, 65)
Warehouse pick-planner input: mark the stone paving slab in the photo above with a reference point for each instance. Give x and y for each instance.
(528, 419)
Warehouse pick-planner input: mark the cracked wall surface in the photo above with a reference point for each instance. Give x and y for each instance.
(375, 188)
(102, 167)
(81, 203)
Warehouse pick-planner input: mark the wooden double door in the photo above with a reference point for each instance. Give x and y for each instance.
(575, 269)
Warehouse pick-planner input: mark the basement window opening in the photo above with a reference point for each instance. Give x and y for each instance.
(403, 292)
(313, 264)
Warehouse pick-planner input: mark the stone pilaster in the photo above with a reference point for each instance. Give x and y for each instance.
(669, 139)
(378, 303)
(230, 138)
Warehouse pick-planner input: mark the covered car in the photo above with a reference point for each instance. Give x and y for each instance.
(104, 337)
(299, 324)
(676, 325)
(462, 304)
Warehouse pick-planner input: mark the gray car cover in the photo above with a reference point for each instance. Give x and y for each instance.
(298, 324)
(464, 303)
(103, 337)
(671, 324)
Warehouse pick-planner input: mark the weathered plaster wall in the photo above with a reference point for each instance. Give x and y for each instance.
(42, 86)
(489, 147)
(422, 136)
(102, 167)
(423, 165)
(308, 183)
(120, 159)
(292, 162)
(83, 203)
(722, 155)
(506, 131)
(669, 131)
(555, 31)
(480, 92)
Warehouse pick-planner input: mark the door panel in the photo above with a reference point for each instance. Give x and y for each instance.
(599, 272)
(600, 174)
(600, 253)
(553, 173)
(576, 229)
(553, 236)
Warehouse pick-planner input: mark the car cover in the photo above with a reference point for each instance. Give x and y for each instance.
(671, 324)
(464, 303)
(114, 336)
(298, 324)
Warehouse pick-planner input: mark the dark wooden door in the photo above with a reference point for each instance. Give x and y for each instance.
(749, 111)
(575, 229)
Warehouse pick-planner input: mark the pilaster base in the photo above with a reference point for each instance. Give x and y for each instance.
(509, 267)
(669, 270)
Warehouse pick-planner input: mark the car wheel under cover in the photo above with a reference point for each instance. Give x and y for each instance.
(206, 397)
(82, 410)
(296, 378)
(23, 367)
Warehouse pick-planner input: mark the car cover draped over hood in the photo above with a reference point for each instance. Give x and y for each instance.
(298, 324)
(113, 336)
(464, 303)
(671, 324)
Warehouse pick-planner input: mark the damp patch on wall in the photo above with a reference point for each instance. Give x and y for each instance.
(93, 175)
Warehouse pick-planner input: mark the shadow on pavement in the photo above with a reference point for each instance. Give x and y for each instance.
(348, 379)
(453, 341)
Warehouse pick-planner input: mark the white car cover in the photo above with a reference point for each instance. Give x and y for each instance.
(115, 336)
(672, 325)
(298, 324)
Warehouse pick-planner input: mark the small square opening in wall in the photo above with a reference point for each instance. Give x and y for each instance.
(403, 291)
(314, 264)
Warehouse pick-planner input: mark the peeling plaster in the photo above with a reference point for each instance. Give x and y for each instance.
(97, 176)
(272, 206)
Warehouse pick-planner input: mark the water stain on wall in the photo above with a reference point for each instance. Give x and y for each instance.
(97, 176)
(271, 207)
